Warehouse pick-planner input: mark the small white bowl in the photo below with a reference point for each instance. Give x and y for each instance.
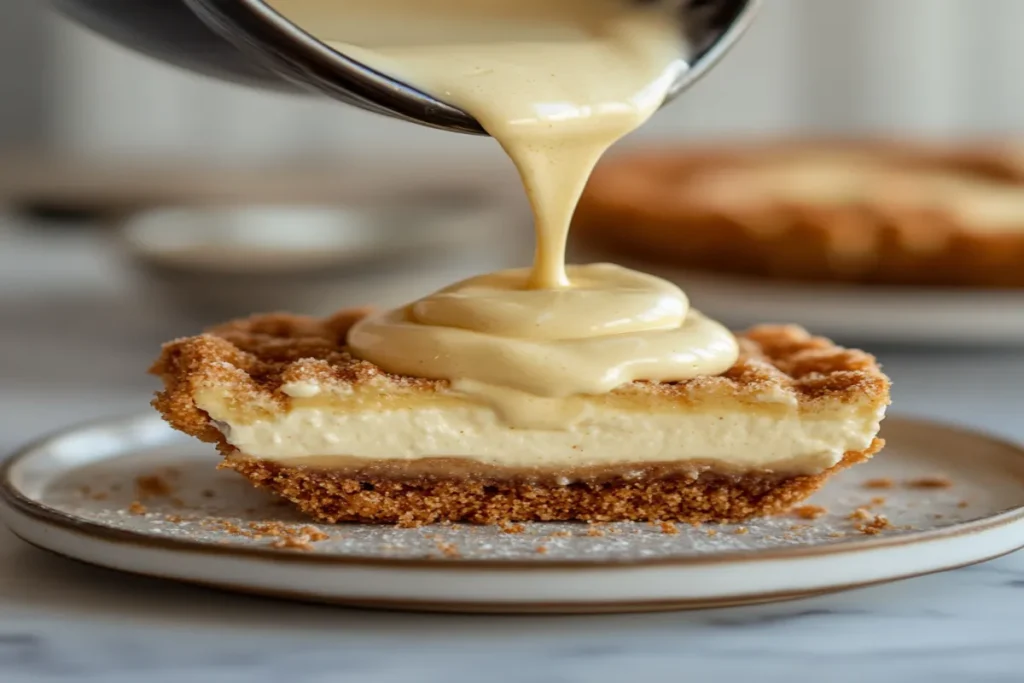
(214, 263)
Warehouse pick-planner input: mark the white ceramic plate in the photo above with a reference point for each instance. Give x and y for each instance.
(274, 240)
(904, 315)
(72, 494)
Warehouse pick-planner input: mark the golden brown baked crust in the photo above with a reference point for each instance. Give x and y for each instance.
(700, 497)
(255, 357)
(872, 240)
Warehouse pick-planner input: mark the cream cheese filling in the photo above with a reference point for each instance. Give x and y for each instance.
(780, 437)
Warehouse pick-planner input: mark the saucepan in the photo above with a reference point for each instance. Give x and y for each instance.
(247, 41)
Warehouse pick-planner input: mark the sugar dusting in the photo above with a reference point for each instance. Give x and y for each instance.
(202, 504)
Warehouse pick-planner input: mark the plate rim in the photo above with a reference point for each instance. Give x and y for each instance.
(831, 288)
(14, 500)
(821, 288)
(521, 607)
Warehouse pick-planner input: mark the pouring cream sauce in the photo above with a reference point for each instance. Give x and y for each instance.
(555, 82)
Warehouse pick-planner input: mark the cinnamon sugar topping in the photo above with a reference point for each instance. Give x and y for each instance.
(252, 359)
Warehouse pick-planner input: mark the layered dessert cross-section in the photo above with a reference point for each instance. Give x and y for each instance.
(291, 409)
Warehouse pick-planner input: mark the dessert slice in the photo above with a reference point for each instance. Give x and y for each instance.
(293, 411)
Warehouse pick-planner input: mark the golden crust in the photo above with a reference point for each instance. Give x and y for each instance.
(701, 497)
(252, 359)
(869, 241)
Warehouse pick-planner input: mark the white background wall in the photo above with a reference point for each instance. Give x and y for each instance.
(931, 67)
(24, 72)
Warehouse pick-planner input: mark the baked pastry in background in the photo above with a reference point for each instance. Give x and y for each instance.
(862, 212)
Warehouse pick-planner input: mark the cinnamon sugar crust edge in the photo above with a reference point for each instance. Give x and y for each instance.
(255, 357)
(872, 241)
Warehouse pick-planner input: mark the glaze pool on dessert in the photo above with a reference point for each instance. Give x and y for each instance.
(552, 392)
(555, 83)
(537, 356)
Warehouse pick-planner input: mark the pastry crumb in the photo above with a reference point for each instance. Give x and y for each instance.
(861, 514)
(875, 525)
(137, 508)
(711, 532)
(100, 495)
(507, 528)
(294, 543)
(448, 549)
(541, 550)
(225, 526)
(930, 483)
(152, 486)
(313, 533)
(879, 484)
(878, 500)
(810, 511)
(740, 531)
(295, 536)
(962, 504)
(560, 534)
(594, 532)
(669, 528)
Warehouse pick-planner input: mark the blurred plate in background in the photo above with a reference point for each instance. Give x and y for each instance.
(214, 263)
(851, 313)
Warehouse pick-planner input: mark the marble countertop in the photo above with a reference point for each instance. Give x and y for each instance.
(74, 335)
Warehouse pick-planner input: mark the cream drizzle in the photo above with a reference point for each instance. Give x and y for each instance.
(555, 82)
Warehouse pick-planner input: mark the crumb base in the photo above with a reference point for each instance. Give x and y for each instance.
(707, 497)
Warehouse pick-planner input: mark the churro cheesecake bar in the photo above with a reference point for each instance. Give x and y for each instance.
(291, 408)
(555, 392)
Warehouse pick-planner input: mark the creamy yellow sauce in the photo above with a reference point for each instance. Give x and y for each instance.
(555, 82)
